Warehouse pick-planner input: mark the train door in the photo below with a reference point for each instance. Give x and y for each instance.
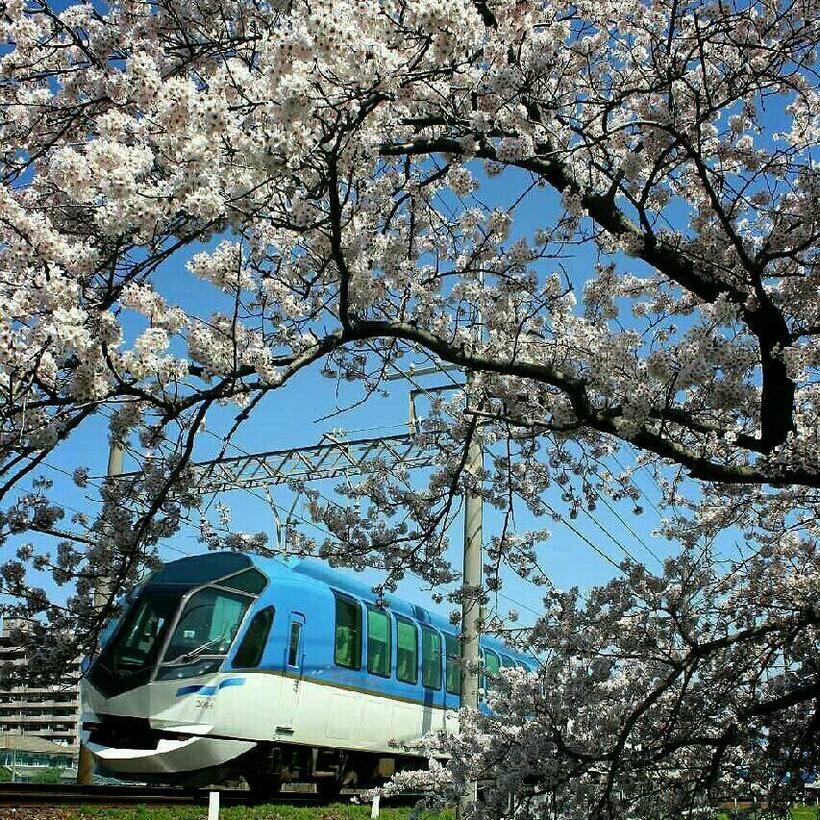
(291, 691)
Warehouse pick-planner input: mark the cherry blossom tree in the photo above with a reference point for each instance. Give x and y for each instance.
(332, 169)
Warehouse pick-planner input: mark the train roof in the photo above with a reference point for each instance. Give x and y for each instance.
(200, 569)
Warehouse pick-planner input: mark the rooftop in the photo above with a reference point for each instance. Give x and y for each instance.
(35, 745)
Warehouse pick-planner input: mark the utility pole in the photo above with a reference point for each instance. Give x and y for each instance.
(472, 566)
(471, 588)
(472, 576)
(472, 559)
(85, 760)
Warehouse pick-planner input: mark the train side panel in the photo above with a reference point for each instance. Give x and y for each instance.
(315, 702)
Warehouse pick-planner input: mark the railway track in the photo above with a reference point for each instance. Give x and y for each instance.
(71, 794)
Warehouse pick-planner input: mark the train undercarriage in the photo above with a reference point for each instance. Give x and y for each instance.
(270, 765)
(130, 748)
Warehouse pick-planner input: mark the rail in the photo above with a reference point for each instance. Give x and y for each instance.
(64, 794)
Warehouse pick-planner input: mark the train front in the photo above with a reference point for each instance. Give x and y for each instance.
(149, 701)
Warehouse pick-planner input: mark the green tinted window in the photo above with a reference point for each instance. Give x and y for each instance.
(430, 658)
(348, 637)
(253, 644)
(492, 664)
(407, 651)
(453, 677)
(251, 581)
(378, 643)
(507, 661)
(207, 625)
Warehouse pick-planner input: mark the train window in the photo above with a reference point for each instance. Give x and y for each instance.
(453, 675)
(293, 643)
(407, 651)
(138, 640)
(253, 644)
(430, 658)
(507, 661)
(251, 581)
(348, 637)
(379, 648)
(492, 664)
(207, 625)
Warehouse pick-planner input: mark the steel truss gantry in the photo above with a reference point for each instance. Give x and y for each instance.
(332, 458)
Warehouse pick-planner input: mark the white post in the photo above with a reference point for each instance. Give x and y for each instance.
(213, 806)
(374, 808)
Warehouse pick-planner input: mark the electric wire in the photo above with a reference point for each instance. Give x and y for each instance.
(590, 544)
(634, 534)
(609, 535)
(325, 532)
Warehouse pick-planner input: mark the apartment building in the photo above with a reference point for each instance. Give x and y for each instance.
(50, 712)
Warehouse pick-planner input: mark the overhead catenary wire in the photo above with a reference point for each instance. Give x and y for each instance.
(608, 558)
(643, 468)
(98, 485)
(233, 445)
(610, 536)
(634, 534)
(326, 532)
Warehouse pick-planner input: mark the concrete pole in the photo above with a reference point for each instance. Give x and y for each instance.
(472, 580)
(472, 592)
(85, 760)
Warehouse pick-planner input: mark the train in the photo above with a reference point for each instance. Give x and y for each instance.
(227, 665)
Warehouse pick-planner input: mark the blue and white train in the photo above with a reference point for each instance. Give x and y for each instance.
(225, 665)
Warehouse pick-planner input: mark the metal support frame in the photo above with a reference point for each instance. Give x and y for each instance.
(332, 458)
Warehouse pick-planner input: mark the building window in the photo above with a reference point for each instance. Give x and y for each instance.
(379, 646)
(407, 651)
(430, 658)
(453, 678)
(348, 636)
(253, 643)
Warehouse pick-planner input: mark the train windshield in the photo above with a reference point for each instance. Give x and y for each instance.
(177, 630)
(138, 641)
(207, 625)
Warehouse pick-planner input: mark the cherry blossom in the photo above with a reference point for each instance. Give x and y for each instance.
(607, 212)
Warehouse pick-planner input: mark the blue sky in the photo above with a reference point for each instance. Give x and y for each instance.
(296, 416)
(289, 418)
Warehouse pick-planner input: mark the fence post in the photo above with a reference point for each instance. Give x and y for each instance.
(213, 806)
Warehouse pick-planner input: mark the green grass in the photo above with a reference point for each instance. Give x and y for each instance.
(798, 813)
(806, 813)
(340, 811)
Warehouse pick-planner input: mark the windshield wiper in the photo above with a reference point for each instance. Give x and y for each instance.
(196, 651)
